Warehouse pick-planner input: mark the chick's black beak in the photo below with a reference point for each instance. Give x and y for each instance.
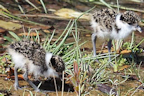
(138, 28)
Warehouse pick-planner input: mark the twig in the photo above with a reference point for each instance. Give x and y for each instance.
(136, 89)
(42, 15)
(17, 18)
(62, 83)
(47, 16)
(55, 86)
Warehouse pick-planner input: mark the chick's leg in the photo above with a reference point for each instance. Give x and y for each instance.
(94, 37)
(25, 75)
(16, 84)
(109, 48)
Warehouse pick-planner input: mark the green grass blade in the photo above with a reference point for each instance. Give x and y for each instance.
(8, 38)
(48, 44)
(15, 36)
(63, 40)
(138, 44)
(43, 6)
(62, 33)
(32, 5)
(102, 1)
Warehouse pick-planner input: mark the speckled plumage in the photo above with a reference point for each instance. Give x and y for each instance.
(106, 19)
(31, 50)
(109, 24)
(32, 58)
(130, 17)
(35, 52)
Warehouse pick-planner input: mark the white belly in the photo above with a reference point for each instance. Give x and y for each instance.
(21, 62)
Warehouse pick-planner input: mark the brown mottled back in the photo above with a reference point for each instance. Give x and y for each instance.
(105, 17)
(32, 50)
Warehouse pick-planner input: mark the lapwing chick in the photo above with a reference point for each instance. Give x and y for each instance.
(33, 59)
(108, 24)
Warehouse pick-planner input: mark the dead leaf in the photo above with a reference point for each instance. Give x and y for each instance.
(31, 34)
(88, 35)
(9, 25)
(76, 67)
(46, 31)
(11, 74)
(20, 77)
(125, 51)
(71, 14)
(2, 30)
(3, 75)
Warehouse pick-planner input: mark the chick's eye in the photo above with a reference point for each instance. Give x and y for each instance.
(130, 23)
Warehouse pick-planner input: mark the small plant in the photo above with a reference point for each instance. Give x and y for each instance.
(76, 78)
(132, 46)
